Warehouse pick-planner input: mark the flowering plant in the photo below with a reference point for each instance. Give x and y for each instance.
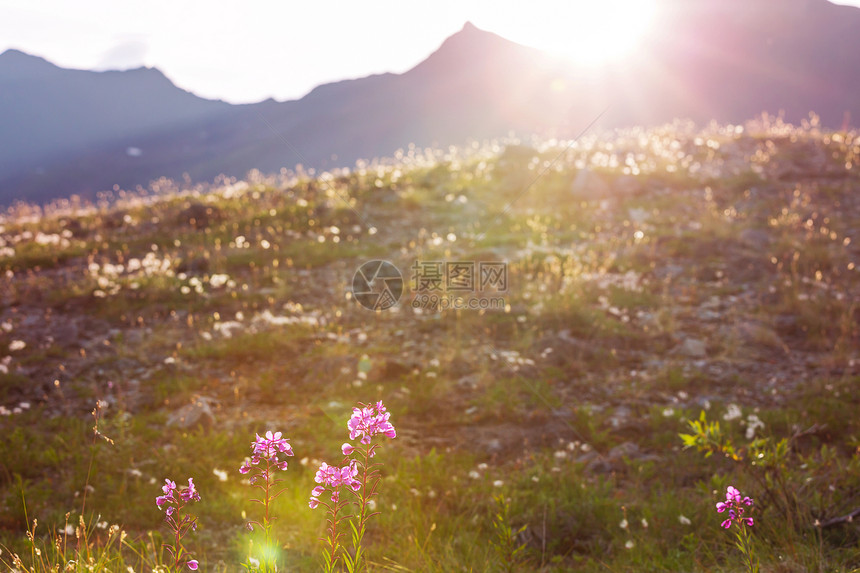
(736, 505)
(173, 502)
(360, 476)
(266, 457)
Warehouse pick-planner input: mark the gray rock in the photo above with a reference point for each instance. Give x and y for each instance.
(626, 185)
(469, 382)
(691, 348)
(755, 238)
(589, 185)
(197, 413)
(200, 216)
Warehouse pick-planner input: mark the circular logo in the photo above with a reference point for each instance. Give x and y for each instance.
(377, 285)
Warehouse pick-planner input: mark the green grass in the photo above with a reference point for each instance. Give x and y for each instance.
(568, 404)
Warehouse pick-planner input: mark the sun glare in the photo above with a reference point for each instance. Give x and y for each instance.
(593, 32)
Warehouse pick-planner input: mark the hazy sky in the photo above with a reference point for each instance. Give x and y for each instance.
(248, 50)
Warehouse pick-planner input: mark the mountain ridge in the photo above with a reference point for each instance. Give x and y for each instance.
(704, 61)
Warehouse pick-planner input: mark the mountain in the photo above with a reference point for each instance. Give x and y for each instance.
(726, 60)
(48, 113)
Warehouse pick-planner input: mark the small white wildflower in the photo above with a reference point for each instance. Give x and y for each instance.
(629, 544)
(220, 474)
(623, 524)
(732, 412)
(753, 424)
(498, 483)
(474, 474)
(482, 466)
(684, 520)
(17, 345)
(644, 523)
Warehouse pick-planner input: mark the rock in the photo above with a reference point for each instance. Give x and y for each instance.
(115, 219)
(75, 227)
(620, 417)
(589, 185)
(749, 336)
(193, 265)
(469, 382)
(66, 333)
(626, 450)
(756, 239)
(394, 370)
(691, 348)
(197, 413)
(200, 216)
(626, 185)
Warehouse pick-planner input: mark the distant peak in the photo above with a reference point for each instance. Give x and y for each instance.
(18, 54)
(16, 61)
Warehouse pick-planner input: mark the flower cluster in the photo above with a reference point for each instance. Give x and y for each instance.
(170, 498)
(734, 504)
(334, 477)
(267, 448)
(369, 421)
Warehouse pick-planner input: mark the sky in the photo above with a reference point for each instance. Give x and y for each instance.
(250, 50)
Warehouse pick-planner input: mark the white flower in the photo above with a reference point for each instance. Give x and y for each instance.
(17, 345)
(629, 544)
(498, 483)
(623, 524)
(732, 412)
(684, 520)
(753, 423)
(220, 474)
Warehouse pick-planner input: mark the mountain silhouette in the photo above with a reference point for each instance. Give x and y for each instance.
(76, 132)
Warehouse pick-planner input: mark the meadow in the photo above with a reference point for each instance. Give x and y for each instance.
(680, 315)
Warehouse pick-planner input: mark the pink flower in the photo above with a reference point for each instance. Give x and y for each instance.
(347, 449)
(192, 565)
(268, 447)
(190, 493)
(271, 445)
(369, 421)
(734, 504)
(331, 477)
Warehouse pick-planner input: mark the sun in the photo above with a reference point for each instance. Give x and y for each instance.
(590, 32)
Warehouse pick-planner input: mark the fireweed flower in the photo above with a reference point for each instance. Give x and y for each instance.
(369, 421)
(268, 454)
(734, 504)
(331, 477)
(269, 448)
(173, 502)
